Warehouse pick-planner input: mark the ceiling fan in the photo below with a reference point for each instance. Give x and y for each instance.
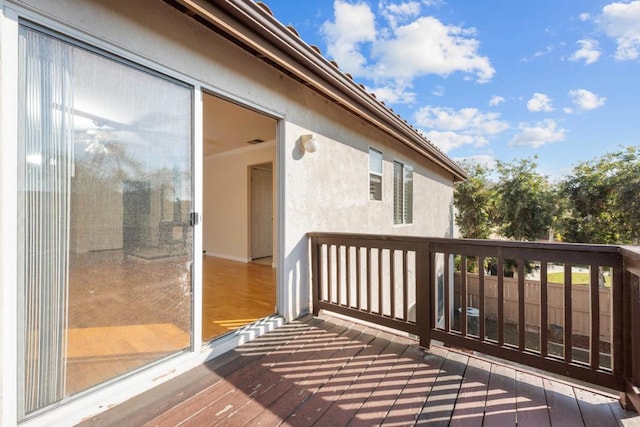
(97, 140)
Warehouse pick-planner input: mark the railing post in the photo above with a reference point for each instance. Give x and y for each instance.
(315, 274)
(424, 288)
(630, 398)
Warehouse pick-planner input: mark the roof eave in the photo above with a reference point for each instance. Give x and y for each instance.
(251, 26)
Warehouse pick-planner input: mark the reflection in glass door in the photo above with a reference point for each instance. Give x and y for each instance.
(105, 191)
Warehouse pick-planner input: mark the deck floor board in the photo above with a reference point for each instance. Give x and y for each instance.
(332, 372)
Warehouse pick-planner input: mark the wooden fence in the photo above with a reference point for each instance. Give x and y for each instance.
(580, 296)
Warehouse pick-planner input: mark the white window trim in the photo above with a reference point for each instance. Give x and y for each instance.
(9, 214)
(404, 168)
(381, 175)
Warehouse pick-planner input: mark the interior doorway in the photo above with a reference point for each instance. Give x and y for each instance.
(262, 211)
(237, 217)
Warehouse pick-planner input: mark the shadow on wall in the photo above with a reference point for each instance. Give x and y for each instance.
(297, 297)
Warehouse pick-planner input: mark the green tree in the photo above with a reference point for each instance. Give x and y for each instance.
(628, 197)
(524, 204)
(472, 199)
(603, 199)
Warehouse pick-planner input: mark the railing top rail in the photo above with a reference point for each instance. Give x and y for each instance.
(628, 251)
(632, 252)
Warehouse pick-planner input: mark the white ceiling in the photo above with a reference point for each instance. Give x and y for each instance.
(228, 126)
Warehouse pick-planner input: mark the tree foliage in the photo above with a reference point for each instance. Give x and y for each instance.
(524, 204)
(472, 199)
(603, 199)
(598, 202)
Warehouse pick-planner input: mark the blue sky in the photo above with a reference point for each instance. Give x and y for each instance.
(487, 80)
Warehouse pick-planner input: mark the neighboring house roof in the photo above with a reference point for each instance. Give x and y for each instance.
(252, 26)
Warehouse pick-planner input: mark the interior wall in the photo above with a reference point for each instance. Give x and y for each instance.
(226, 202)
(97, 211)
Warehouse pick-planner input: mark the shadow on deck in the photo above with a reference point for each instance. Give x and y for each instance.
(331, 372)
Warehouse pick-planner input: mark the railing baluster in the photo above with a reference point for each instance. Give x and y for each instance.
(331, 273)
(447, 292)
(568, 313)
(618, 296)
(369, 290)
(358, 277)
(521, 306)
(339, 274)
(481, 317)
(544, 313)
(423, 282)
(315, 275)
(405, 286)
(463, 295)
(500, 268)
(348, 273)
(380, 282)
(595, 316)
(392, 280)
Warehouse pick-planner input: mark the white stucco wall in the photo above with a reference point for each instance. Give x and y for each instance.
(328, 190)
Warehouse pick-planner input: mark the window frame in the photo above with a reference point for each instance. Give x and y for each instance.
(402, 193)
(372, 173)
(132, 61)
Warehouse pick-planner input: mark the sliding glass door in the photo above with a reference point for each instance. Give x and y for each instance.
(105, 192)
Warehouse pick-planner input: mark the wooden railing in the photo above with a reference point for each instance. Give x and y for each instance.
(441, 289)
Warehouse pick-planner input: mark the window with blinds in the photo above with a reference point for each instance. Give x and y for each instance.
(375, 174)
(402, 193)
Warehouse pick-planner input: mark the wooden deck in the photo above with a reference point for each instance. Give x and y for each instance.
(330, 372)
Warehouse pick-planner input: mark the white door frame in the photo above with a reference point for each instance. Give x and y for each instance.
(257, 249)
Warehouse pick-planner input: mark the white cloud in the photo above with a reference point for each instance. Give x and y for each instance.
(432, 2)
(409, 47)
(486, 160)
(451, 128)
(589, 51)
(438, 91)
(546, 51)
(621, 21)
(539, 102)
(427, 46)
(447, 141)
(394, 93)
(354, 24)
(538, 134)
(496, 100)
(465, 119)
(397, 13)
(584, 17)
(586, 100)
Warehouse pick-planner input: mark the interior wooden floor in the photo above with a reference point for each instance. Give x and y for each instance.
(126, 312)
(235, 294)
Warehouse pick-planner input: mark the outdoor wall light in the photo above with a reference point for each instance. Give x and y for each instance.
(309, 143)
